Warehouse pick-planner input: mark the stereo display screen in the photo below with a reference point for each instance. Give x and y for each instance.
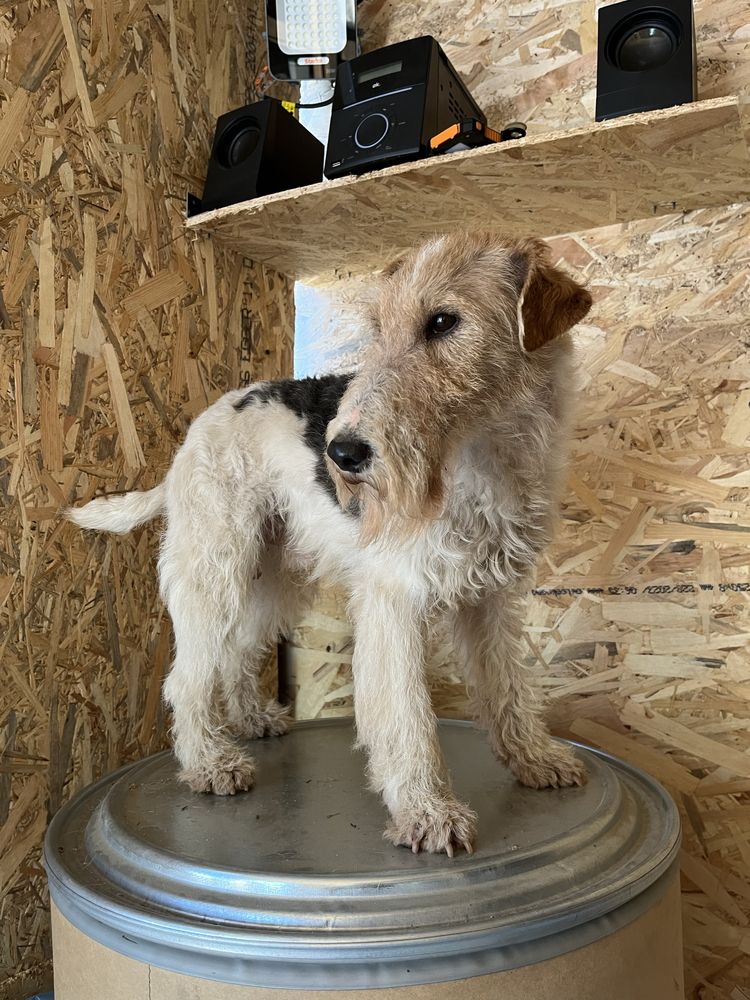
(375, 74)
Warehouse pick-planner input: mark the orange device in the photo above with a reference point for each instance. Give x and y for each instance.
(470, 132)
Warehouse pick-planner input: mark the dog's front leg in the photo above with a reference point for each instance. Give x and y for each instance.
(490, 637)
(397, 726)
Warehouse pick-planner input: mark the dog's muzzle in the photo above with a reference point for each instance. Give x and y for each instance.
(351, 454)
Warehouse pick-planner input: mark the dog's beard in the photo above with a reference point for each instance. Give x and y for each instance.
(393, 504)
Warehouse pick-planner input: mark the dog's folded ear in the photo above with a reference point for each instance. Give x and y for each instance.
(550, 301)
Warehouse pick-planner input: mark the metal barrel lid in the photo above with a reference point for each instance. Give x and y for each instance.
(292, 885)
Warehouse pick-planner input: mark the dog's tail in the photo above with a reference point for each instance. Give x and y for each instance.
(119, 513)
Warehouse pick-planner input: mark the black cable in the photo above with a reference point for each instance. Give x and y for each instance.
(317, 104)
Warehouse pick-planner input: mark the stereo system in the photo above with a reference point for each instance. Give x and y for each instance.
(388, 104)
(406, 101)
(645, 57)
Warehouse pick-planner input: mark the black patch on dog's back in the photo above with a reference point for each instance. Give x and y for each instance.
(316, 400)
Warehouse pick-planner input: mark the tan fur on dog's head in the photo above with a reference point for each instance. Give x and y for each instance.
(421, 387)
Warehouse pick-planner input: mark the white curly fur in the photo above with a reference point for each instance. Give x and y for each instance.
(469, 442)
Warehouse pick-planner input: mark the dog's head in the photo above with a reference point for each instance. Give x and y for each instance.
(464, 325)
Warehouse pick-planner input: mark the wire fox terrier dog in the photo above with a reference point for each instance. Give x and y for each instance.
(425, 483)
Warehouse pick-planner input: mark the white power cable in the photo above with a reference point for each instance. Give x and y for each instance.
(309, 302)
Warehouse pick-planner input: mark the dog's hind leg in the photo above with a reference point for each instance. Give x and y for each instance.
(211, 760)
(204, 612)
(214, 543)
(248, 712)
(489, 636)
(271, 607)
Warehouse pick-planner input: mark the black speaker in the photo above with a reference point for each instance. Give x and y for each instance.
(260, 149)
(646, 57)
(388, 105)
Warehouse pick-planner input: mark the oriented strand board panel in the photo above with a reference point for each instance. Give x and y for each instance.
(83, 638)
(637, 167)
(115, 330)
(639, 629)
(537, 61)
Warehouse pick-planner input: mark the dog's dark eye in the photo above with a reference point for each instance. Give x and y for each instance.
(440, 324)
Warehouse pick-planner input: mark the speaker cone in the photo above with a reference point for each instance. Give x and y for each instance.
(644, 41)
(238, 142)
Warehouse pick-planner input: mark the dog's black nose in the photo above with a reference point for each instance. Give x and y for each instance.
(351, 454)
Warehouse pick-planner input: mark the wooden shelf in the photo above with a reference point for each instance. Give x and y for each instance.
(649, 164)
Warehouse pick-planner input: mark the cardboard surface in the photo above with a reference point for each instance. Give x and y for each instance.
(642, 961)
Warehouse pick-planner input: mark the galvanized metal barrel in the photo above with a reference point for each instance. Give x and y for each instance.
(290, 889)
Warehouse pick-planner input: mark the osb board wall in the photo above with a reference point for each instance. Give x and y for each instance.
(537, 61)
(116, 329)
(534, 61)
(644, 165)
(639, 631)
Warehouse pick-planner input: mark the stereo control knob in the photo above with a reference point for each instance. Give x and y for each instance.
(371, 130)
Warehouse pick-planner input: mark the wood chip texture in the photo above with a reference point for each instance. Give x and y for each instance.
(115, 331)
(106, 116)
(603, 173)
(638, 631)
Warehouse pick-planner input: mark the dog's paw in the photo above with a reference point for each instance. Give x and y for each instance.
(558, 767)
(442, 826)
(272, 720)
(221, 777)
